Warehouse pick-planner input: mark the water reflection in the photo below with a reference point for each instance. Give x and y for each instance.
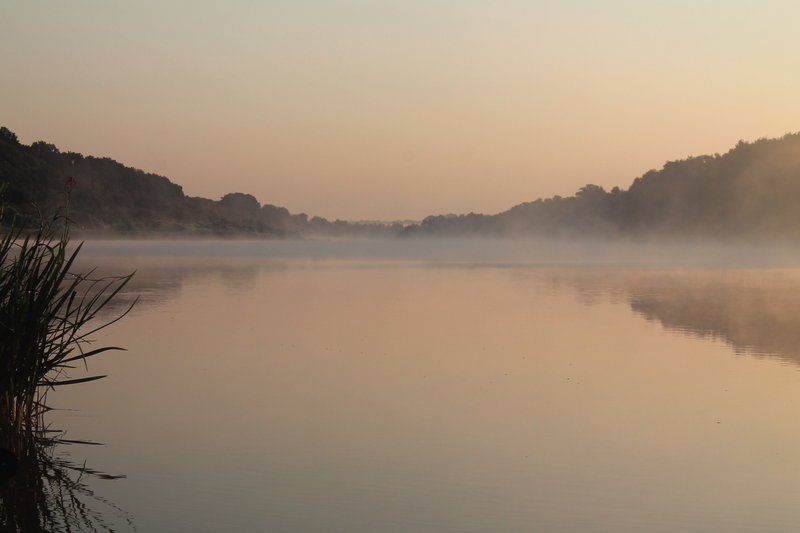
(158, 280)
(41, 489)
(757, 312)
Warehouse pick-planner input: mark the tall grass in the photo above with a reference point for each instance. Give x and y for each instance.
(47, 315)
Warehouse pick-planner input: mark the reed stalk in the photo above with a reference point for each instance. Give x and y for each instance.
(47, 315)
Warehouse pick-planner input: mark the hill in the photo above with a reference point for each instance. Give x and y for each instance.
(108, 197)
(751, 192)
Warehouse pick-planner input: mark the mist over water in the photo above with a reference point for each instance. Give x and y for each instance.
(595, 252)
(356, 386)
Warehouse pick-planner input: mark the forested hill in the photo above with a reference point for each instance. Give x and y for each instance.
(108, 197)
(751, 192)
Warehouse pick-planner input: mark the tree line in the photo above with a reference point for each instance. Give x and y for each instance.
(750, 192)
(108, 197)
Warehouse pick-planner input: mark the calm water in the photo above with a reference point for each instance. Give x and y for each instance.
(292, 388)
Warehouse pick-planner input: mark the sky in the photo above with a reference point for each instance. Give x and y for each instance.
(394, 110)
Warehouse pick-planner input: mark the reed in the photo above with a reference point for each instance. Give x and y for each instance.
(51, 492)
(47, 315)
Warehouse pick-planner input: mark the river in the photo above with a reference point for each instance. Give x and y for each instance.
(312, 387)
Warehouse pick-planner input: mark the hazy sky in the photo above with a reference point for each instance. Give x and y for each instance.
(398, 109)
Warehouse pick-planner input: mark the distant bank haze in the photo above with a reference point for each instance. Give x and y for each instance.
(750, 192)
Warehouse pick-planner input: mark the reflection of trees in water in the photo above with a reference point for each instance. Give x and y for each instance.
(161, 279)
(49, 493)
(755, 311)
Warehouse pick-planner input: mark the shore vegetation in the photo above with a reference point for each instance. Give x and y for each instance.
(48, 314)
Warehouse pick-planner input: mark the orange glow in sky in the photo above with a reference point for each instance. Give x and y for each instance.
(395, 110)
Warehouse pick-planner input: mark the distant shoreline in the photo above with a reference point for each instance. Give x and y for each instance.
(748, 194)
